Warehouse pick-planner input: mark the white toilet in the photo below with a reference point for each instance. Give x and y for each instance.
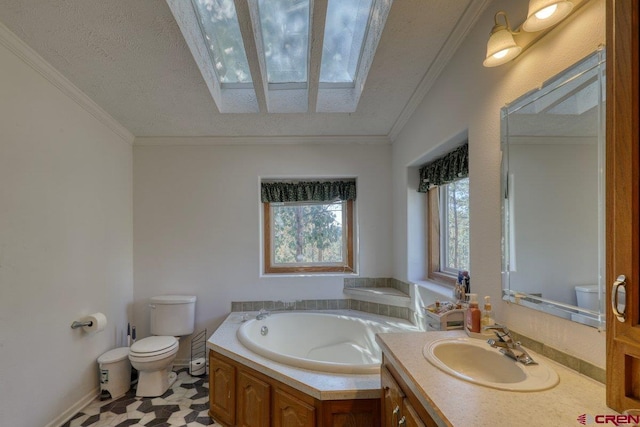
(171, 316)
(588, 296)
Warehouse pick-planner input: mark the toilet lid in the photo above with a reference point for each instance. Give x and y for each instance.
(153, 346)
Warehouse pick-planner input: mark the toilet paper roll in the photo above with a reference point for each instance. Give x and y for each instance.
(197, 367)
(98, 322)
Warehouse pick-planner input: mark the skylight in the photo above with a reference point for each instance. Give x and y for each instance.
(284, 25)
(221, 30)
(344, 33)
(299, 54)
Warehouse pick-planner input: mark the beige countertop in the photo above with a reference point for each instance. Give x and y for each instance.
(454, 402)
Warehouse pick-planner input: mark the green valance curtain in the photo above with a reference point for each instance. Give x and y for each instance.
(446, 169)
(310, 191)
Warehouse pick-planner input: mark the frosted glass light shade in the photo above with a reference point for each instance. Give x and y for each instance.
(545, 13)
(501, 48)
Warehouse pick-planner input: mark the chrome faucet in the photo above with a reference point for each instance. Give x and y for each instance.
(508, 346)
(262, 314)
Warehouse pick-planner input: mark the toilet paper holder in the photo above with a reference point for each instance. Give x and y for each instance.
(76, 324)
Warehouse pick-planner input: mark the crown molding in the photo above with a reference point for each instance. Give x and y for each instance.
(30, 57)
(457, 35)
(261, 140)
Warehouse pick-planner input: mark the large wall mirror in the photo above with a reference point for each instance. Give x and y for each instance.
(553, 148)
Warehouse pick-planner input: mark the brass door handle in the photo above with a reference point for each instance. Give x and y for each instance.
(619, 309)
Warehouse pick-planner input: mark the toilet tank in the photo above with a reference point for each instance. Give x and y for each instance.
(172, 315)
(588, 297)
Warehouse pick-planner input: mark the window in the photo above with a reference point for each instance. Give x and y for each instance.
(446, 183)
(454, 223)
(221, 30)
(344, 36)
(284, 25)
(448, 229)
(304, 234)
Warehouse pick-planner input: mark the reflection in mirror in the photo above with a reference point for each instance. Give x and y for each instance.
(553, 145)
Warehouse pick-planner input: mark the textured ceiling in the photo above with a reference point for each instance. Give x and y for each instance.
(129, 57)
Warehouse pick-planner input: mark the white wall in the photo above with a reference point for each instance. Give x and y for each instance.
(197, 221)
(65, 245)
(468, 97)
(555, 234)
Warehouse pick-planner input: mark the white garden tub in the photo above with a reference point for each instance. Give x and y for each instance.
(317, 341)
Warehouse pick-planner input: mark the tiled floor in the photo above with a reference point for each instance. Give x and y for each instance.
(185, 404)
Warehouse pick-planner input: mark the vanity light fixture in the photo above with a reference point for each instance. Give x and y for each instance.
(545, 13)
(502, 46)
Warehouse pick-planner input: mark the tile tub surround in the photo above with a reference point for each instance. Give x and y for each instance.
(319, 385)
(185, 404)
(454, 402)
(332, 304)
(377, 282)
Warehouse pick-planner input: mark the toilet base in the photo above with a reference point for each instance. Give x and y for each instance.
(155, 383)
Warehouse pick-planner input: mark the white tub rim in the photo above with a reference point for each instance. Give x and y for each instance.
(313, 364)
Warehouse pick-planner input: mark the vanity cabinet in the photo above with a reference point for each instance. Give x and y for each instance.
(222, 390)
(241, 396)
(400, 407)
(253, 397)
(410, 417)
(288, 411)
(392, 397)
(623, 205)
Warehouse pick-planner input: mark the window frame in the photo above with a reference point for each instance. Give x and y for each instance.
(435, 270)
(347, 267)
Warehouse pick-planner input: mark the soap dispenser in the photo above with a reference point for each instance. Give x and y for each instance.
(487, 314)
(472, 317)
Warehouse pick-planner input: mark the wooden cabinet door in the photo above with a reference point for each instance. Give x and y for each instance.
(409, 416)
(623, 231)
(252, 400)
(351, 413)
(392, 399)
(222, 390)
(289, 411)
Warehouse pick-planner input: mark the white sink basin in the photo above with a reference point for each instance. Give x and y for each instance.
(475, 361)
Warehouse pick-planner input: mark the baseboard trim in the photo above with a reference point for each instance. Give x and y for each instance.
(74, 409)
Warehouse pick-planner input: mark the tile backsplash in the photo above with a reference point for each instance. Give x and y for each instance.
(341, 304)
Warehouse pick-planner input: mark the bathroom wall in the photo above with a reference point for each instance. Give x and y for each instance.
(65, 239)
(197, 224)
(556, 229)
(467, 98)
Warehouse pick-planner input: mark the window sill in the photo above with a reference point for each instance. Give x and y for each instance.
(444, 291)
(326, 274)
(389, 296)
(443, 279)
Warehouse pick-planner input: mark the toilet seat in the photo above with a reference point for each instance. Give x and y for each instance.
(153, 348)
